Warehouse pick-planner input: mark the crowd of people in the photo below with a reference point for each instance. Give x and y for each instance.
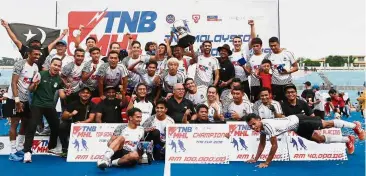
(146, 91)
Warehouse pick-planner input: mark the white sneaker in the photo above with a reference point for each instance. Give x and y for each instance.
(103, 163)
(27, 157)
(56, 151)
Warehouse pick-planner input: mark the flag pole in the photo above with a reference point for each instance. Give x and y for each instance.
(56, 15)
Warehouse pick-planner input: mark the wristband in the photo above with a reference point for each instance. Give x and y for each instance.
(17, 100)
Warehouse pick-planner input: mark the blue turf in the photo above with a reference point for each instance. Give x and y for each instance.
(51, 165)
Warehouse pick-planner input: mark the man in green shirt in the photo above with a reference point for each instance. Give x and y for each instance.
(44, 86)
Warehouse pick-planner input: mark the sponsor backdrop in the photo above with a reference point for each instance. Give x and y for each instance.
(148, 21)
(39, 146)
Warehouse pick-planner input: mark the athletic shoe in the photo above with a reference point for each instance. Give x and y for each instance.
(45, 132)
(103, 163)
(63, 155)
(14, 157)
(351, 144)
(55, 151)
(20, 153)
(27, 157)
(359, 131)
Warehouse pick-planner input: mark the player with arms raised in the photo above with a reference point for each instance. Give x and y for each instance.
(305, 127)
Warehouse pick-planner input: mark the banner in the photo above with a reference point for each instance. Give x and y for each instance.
(39, 145)
(200, 144)
(244, 144)
(108, 21)
(301, 149)
(88, 141)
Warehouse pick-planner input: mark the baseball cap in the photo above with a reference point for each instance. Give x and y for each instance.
(109, 87)
(62, 42)
(288, 86)
(307, 83)
(315, 86)
(85, 88)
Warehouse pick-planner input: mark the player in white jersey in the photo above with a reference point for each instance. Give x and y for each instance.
(112, 74)
(89, 71)
(239, 107)
(147, 75)
(283, 64)
(164, 52)
(135, 56)
(61, 47)
(266, 107)
(252, 66)
(140, 101)
(17, 104)
(122, 147)
(226, 97)
(155, 127)
(242, 53)
(207, 66)
(71, 75)
(171, 77)
(214, 105)
(305, 127)
(197, 94)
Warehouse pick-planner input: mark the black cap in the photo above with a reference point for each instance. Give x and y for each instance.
(109, 87)
(85, 88)
(307, 83)
(288, 86)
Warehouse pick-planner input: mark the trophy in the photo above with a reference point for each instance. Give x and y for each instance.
(147, 148)
(180, 28)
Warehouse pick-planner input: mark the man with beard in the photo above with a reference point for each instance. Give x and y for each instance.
(207, 66)
(23, 49)
(140, 101)
(197, 94)
(17, 104)
(112, 74)
(79, 111)
(227, 71)
(44, 86)
(109, 110)
(89, 72)
(265, 107)
(155, 128)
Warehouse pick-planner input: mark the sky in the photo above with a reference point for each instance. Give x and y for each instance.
(309, 28)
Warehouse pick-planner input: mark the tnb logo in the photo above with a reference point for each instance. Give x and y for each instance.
(126, 21)
(184, 129)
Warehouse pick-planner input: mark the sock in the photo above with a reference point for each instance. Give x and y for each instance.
(20, 142)
(109, 153)
(336, 139)
(115, 162)
(343, 124)
(13, 145)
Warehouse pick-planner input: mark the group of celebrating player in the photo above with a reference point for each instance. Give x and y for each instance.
(176, 84)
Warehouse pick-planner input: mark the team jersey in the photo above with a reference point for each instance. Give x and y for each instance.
(134, 78)
(284, 58)
(264, 112)
(64, 59)
(227, 98)
(73, 75)
(160, 125)
(26, 73)
(169, 81)
(254, 62)
(146, 107)
(206, 67)
(239, 70)
(92, 82)
(278, 126)
(111, 76)
(132, 136)
(242, 110)
(146, 79)
(199, 97)
(211, 111)
(320, 105)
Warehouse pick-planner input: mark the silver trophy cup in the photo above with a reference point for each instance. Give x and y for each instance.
(147, 148)
(184, 38)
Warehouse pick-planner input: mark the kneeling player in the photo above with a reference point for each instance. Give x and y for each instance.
(122, 147)
(305, 127)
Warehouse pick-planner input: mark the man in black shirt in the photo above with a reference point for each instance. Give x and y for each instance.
(79, 111)
(308, 94)
(109, 110)
(178, 105)
(227, 70)
(23, 49)
(292, 105)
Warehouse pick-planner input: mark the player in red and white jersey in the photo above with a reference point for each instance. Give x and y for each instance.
(305, 127)
(17, 104)
(122, 147)
(89, 72)
(197, 94)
